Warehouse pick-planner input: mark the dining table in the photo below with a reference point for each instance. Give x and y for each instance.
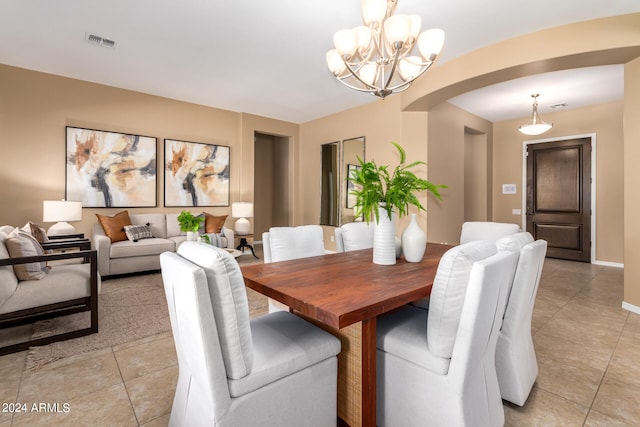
(344, 293)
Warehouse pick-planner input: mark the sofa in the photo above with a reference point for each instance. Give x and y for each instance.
(129, 256)
(39, 280)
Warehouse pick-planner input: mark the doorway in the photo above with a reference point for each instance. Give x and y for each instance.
(559, 196)
(272, 183)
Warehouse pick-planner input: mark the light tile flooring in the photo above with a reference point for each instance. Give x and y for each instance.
(588, 351)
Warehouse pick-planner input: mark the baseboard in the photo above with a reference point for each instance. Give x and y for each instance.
(630, 307)
(609, 264)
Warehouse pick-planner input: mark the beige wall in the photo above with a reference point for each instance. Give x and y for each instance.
(631, 118)
(36, 107)
(605, 120)
(448, 126)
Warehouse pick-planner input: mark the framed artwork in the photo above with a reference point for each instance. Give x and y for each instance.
(195, 174)
(110, 169)
(351, 199)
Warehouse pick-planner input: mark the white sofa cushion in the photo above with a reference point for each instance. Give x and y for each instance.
(230, 304)
(296, 242)
(144, 247)
(448, 293)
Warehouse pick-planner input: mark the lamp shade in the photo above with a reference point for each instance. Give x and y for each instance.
(60, 211)
(242, 210)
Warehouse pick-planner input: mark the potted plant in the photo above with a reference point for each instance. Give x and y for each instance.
(190, 224)
(379, 191)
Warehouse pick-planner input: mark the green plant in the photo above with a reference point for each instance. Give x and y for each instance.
(377, 187)
(188, 222)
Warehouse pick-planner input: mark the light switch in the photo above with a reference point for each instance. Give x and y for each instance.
(516, 211)
(509, 189)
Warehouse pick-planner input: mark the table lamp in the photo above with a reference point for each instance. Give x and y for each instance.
(242, 210)
(60, 211)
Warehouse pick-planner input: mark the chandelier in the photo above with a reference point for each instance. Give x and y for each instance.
(537, 126)
(377, 57)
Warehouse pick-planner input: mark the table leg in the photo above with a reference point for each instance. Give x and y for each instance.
(369, 372)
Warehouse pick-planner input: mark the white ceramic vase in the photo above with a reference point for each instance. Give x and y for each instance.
(192, 236)
(414, 241)
(384, 239)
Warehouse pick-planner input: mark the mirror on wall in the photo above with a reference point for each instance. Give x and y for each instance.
(338, 159)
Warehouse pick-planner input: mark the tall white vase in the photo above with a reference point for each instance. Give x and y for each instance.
(384, 239)
(414, 241)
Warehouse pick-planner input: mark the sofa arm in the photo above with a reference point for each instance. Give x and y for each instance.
(102, 245)
(229, 235)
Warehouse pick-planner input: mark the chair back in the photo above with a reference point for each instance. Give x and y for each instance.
(516, 364)
(202, 383)
(523, 290)
(354, 236)
(483, 230)
(448, 293)
(477, 336)
(285, 243)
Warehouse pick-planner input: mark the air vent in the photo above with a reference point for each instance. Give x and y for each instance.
(555, 106)
(100, 41)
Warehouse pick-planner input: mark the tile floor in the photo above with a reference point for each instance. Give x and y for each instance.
(588, 351)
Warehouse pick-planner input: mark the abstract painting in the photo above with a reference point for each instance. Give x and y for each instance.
(110, 169)
(196, 174)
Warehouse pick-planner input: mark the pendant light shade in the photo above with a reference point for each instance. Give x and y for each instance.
(537, 126)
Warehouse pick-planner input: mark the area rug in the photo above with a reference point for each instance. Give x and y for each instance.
(129, 309)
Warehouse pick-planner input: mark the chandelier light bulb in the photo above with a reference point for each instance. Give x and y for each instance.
(368, 73)
(346, 42)
(430, 43)
(397, 28)
(410, 67)
(416, 23)
(364, 35)
(373, 11)
(335, 62)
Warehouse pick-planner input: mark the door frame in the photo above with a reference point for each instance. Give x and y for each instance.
(592, 189)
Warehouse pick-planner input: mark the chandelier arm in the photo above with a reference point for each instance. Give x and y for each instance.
(393, 66)
(405, 85)
(349, 85)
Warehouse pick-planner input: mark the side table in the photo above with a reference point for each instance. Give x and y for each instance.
(244, 244)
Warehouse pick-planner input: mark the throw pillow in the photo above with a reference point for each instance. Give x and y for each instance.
(113, 226)
(213, 224)
(36, 231)
(137, 232)
(21, 244)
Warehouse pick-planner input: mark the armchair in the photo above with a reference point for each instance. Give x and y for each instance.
(273, 370)
(437, 367)
(65, 289)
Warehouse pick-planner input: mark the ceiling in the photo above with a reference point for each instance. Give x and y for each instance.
(267, 57)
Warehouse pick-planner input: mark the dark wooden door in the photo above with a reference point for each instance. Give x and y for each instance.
(559, 197)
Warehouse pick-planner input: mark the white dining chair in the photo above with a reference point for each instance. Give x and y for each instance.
(516, 363)
(485, 230)
(273, 370)
(354, 236)
(437, 367)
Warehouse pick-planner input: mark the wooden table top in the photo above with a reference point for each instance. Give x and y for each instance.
(344, 288)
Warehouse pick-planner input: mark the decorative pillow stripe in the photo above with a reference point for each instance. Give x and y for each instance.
(137, 232)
